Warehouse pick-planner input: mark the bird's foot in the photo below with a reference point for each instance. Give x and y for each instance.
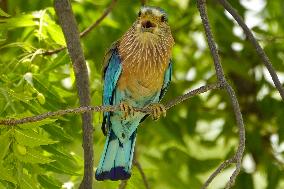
(157, 110)
(127, 109)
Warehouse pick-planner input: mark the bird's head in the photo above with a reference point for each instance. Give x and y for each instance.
(150, 35)
(152, 22)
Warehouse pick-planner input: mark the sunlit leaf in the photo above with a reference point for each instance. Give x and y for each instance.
(5, 142)
(18, 21)
(31, 138)
(32, 156)
(6, 174)
(48, 182)
(2, 13)
(26, 182)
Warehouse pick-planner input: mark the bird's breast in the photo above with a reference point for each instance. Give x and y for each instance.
(143, 66)
(140, 82)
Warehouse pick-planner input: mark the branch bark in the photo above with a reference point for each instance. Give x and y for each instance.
(237, 158)
(256, 45)
(69, 26)
(143, 2)
(141, 171)
(85, 109)
(99, 20)
(4, 5)
(88, 29)
(122, 184)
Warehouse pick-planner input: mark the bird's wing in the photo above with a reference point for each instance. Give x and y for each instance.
(167, 80)
(166, 84)
(111, 72)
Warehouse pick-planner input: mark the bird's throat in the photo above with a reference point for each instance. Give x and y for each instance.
(145, 50)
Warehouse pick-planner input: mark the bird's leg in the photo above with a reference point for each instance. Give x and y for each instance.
(127, 109)
(157, 110)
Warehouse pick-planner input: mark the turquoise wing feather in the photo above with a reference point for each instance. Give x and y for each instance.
(116, 159)
(167, 80)
(112, 71)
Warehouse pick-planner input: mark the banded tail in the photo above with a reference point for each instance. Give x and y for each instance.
(116, 160)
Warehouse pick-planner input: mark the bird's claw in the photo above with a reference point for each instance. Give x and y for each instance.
(157, 111)
(127, 109)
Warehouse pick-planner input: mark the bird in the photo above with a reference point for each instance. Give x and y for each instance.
(137, 73)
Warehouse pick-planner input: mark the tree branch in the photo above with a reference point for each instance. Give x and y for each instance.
(122, 184)
(238, 116)
(88, 29)
(69, 27)
(143, 2)
(256, 45)
(139, 167)
(99, 20)
(85, 109)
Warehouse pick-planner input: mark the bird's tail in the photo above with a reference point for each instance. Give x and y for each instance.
(116, 160)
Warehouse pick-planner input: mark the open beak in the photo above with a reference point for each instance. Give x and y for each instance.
(148, 26)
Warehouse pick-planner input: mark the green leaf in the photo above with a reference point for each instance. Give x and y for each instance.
(57, 151)
(49, 182)
(37, 124)
(5, 142)
(18, 21)
(31, 138)
(26, 182)
(6, 174)
(21, 149)
(46, 88)
(2, 13)
(32, 156)
(57, 132)
(59, 167)
(55, 32)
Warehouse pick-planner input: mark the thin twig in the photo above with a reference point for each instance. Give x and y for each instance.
(69, 27)
(99, 20)
(141, 171)
(122, 184)
(88, 29)
(51, 52)
(217, 171)
(139, 167)
(84, 109)
(256, 45)
(238, 116)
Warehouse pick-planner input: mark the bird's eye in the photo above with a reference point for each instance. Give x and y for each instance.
(139, 13)
(163, 18)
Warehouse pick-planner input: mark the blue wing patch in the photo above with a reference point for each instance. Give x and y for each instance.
(112, 72)
(167, 80)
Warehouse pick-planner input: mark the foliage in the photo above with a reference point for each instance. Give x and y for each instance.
(179, 151)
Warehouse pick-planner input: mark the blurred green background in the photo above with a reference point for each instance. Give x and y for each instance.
(176, 152)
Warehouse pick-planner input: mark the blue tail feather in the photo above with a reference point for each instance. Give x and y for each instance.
(116, 161)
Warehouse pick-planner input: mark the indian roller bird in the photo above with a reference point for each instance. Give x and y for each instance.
(137, 73)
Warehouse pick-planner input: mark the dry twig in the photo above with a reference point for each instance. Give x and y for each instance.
(69, 27)
(84, 109)
(221, 78)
